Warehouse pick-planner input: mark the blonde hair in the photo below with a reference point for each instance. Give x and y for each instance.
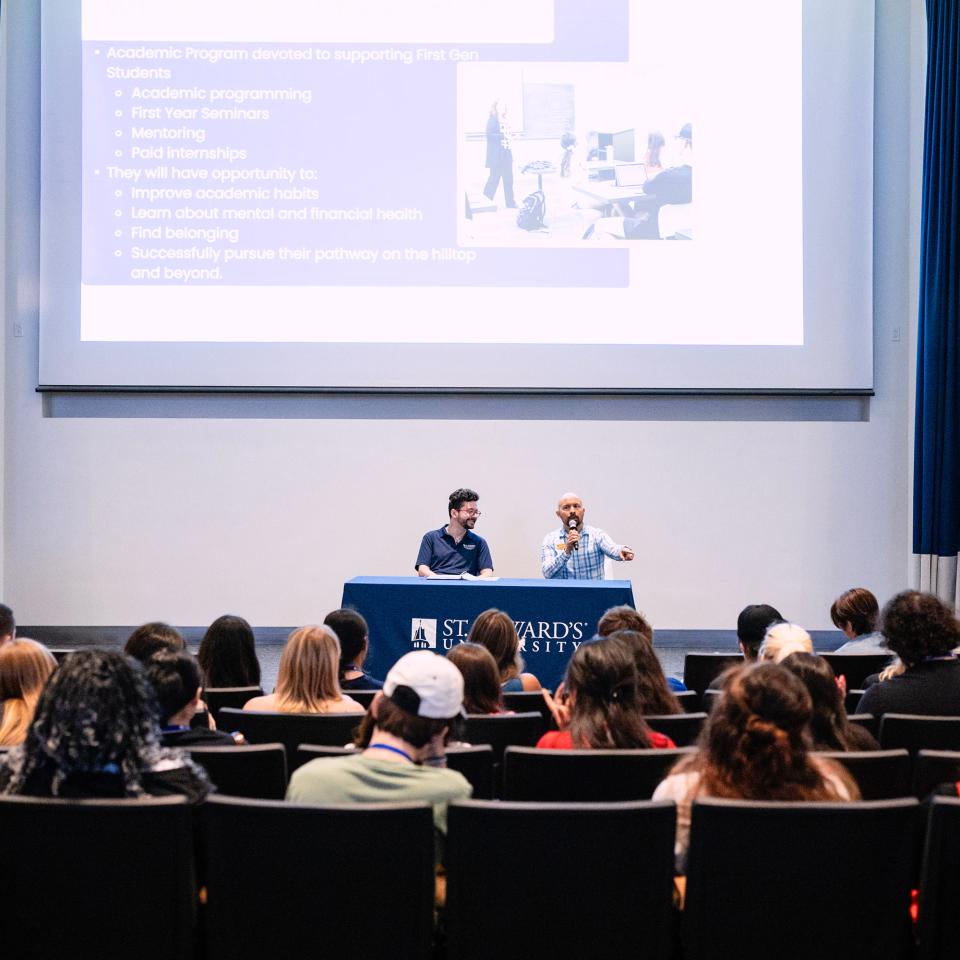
(782, 639)
(24, 668)
(307, 675)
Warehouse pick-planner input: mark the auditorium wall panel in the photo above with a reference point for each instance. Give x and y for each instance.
(117, 509)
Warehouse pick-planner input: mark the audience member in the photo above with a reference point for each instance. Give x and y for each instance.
(481, 681)
(782, 639)
(856, 612)
(147, 639)
(653, 690)
(352, 631)
(494, 630)
(752, 625)
(403, 744)
(829, 727)
(626, 618)
(8, 626)
(176, 680)
(25, 666)
(754, 747)
(923, 632)
(95, 734)
(228, 654)
(598, 703)
(307, 676)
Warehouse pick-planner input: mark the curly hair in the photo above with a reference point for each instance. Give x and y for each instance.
(919, 625)
(605, 705)
(652, 688)
(97, 713)
(754, 745)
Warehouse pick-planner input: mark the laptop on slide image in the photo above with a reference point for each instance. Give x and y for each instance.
(630, 174)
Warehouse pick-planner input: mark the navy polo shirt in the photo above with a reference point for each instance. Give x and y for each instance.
(442, 555)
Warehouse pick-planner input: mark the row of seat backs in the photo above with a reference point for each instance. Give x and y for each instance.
(111, 879)
(701, 669)
(260, 771)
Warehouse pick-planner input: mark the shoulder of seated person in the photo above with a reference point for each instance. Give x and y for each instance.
(530, 682)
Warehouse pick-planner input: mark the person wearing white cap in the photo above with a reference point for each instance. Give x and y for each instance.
(403, 739)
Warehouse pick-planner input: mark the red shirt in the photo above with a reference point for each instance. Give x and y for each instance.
(561, 740)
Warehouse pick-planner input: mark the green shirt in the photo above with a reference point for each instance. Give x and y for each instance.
(363, 779)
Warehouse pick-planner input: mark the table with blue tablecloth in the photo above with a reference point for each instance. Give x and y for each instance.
(552, 616)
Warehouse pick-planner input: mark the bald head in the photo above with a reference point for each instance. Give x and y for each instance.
(569, 495)
(570, 507)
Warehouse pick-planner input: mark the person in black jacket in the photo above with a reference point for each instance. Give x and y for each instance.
(176, 680)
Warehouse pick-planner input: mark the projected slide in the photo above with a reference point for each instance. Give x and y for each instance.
(555, 172)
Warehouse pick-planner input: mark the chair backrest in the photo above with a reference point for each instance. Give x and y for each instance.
(528, 701)
(475, 763)
(852, 700)
(99, 878)
(700, 668)
(880, 774)
(503, 860)
(292, 729)
(281, 876)
(919, 732)
(689, 700)
(503, 730)
(856, 667)
(818, 880)
(585, 776)
(939, 919)
(682, 728)
(256, 770)
(933, 767)
(363, 697)
(216, 698)
(868, 721)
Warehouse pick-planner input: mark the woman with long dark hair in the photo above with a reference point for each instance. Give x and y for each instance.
(228, 654)
(829, 727)
(95, 733)
(481, 682)
(754, 747)
(652, 689)
(602, 708)
(494, 630)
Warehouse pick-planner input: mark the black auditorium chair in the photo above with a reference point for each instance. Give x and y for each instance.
(585, 776)
(104, 879)
(868, 721)
(919, 732)
(503, 730)
(538, 881)
(689, 700)
(257, 770)
(880, 774)
(363, 697)
(933, 767)
(475, 763)
(216, 698)
(699, 669)
(292, 729)
(282, 877)
(856, 667)
(799, 880)
(939, 919)
(852, 700)
(528, 701)
(682, 728)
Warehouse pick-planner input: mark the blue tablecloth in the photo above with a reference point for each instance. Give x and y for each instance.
(552, 616)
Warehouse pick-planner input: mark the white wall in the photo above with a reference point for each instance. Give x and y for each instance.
(121, 510)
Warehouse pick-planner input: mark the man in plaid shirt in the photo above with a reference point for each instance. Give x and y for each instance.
(575, 551)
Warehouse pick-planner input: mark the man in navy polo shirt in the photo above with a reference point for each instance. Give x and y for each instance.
(455, 548)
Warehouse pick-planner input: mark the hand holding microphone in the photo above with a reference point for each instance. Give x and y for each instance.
(573, 537)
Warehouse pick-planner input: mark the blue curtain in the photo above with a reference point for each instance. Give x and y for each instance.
(936, 496)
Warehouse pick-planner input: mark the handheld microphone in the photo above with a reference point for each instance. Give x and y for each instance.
(572, 524)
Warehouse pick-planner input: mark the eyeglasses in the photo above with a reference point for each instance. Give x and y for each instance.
(474, 512)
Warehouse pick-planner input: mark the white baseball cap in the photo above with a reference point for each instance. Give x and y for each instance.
(425, 684)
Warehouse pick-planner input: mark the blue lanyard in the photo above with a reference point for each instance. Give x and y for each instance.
(386, 746)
